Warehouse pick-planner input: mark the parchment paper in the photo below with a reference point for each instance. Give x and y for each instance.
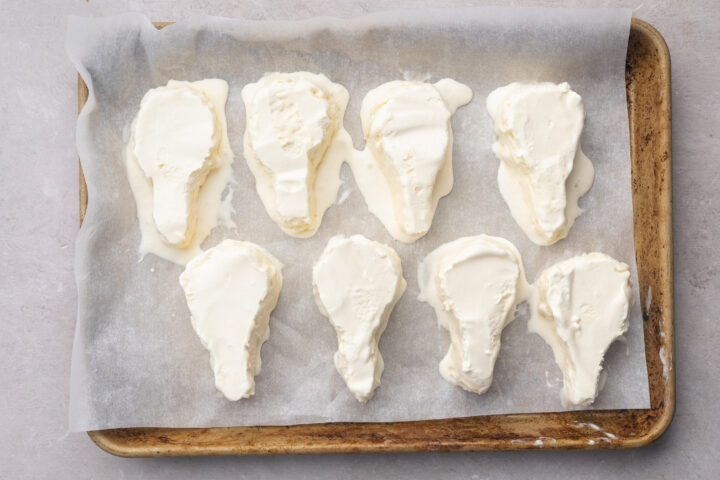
(136, 359)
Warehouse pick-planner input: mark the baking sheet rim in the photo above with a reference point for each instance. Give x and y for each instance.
(317, 439)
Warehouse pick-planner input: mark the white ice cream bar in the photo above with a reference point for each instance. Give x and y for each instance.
(292, 121)
(356, 283)
(407, 165)
(543, 171)
(580, 307)
(231, 289)
(178, 161)
(474, 284)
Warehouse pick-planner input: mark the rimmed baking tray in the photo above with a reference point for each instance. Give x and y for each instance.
(647, 77)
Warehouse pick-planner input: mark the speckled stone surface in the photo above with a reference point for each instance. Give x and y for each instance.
(39, 218)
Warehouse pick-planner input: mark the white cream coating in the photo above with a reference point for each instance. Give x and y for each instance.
(580, 307)
(175, 136)
(407, 164)
(178, 162)
(474, 284)
(543, 171)
(292, 121)
(357, 283)
(231, 289)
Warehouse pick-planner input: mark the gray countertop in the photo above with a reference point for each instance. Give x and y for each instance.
(38, 208)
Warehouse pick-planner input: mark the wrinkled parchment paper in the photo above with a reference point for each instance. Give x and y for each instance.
(136, 359)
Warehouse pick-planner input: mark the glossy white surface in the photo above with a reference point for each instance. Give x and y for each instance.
(39, 224)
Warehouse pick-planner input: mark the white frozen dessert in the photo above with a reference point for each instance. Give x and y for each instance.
(543, 171)
(579, 307)
(178, 161)
(231, 290)
(407, 165)
(474, 284)
(292, 120)
(356, 283)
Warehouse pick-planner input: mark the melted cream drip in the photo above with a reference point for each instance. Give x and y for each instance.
(295, 123)
(200, 180)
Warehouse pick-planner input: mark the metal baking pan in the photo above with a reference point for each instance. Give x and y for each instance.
(648, 100)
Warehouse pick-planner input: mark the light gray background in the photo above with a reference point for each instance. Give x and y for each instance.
(38, 214)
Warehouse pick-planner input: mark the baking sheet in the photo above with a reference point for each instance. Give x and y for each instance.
(136, 359)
